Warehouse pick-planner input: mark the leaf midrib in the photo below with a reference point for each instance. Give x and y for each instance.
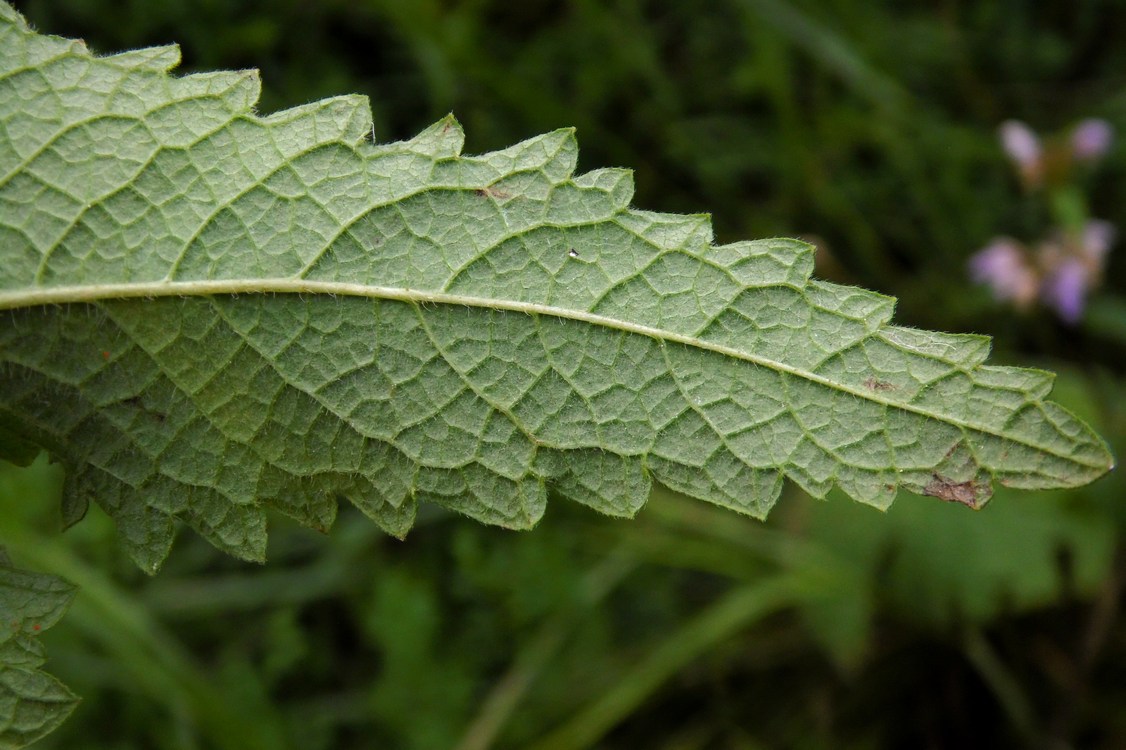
(89, 293)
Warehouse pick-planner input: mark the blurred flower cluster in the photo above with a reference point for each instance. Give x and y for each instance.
(1061, 269)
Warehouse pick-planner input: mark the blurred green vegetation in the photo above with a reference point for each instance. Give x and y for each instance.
(869, 127)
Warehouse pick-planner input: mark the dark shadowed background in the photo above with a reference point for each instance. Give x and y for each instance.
(863, 126)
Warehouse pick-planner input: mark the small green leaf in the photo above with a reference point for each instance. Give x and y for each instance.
(207, 313)
(32, 703)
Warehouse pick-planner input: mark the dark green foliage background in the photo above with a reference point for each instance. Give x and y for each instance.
(865, 125)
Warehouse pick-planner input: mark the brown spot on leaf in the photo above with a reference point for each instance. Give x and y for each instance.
(966, 493)
(492, 192)
(873, 384)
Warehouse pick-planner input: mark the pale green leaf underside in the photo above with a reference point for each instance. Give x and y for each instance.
(207, 312)
(32, 702)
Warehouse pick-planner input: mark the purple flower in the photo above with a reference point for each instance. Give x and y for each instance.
(1069, 263)
(1065, 289)
(1091, 139)
(1023, 147)
(1003, 265)
(1073, 266)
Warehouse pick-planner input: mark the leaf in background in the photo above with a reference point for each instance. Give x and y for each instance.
(937, 567)
(32, 703)
(207, 312)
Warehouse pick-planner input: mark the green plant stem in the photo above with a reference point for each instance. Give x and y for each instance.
(530, 662)
(721, 620)
(1005, 686)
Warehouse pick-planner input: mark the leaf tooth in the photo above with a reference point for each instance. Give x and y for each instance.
(239, 90)
(74, 507)
(9, 15)
(609, 483)
(807, 467)
(396, 521)
(339, 119)
(40, 600)
(1036, 384)
(872, 309)
(723, 480)
(442, 140)
(554, 154)
(160, 59)
(146, 532)
(1087, 448)
(484, 496)
(766, 262)
(875, 488)
(961, 349)
(236, 528)
(670, 231)
(617, 184)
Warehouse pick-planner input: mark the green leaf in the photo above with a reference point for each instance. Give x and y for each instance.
(32, 703)
(207, 313)
(940, 568)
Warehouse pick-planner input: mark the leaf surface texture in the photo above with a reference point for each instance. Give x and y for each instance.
(32, 702)
(207, 312)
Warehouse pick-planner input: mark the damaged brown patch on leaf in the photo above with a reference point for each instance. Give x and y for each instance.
(873, 384)
(492, 192)
(969, 493)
